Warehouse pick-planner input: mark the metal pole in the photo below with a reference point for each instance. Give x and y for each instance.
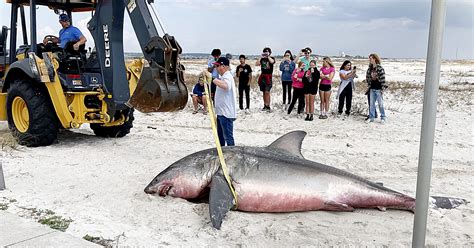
(33, 25)
(433, 64)
(23, 25)
(13, 33)
(2, 178)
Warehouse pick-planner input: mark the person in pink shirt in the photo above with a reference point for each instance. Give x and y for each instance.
(327, 74)
(298, 91)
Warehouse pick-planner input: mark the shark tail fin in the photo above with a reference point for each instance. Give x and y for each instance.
(447, 202)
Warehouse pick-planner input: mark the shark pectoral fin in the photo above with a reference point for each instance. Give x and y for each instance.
(382, 208)
(290, 143)
(337, 206)
(221, 200)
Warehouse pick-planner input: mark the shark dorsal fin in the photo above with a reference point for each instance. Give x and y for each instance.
(290, 143)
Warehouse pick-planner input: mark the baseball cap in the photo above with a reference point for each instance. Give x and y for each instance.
(222, 61)
(268, 50)
(64, 17)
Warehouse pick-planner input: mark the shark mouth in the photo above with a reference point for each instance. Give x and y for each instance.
(165, 190)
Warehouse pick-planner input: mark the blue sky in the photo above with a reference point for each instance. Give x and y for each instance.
(391, 28)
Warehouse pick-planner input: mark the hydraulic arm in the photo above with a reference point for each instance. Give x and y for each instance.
(161, 87)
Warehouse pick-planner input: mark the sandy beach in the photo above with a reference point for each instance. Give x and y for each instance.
(98, 183)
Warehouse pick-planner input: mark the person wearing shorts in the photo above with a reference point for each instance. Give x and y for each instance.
(327, 74)
(265, 83)
(310, 82)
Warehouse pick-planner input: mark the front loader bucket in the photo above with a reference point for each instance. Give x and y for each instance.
(156, 94)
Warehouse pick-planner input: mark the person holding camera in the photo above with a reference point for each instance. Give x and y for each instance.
(310, 82)
(327, 74)
(265, 79)
(287, 66)
(344, 93)
(375, 78)
(244, 73)
(305, 56)
(216, 54)
(298, 88)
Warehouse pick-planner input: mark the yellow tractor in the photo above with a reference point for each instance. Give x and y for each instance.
(48, 87)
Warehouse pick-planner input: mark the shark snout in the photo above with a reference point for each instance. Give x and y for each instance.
(160, 189)
(150, 189)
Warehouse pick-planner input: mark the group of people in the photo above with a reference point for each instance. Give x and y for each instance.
(301, 81)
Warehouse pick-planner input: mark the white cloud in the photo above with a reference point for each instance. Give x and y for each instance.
(384, 23)
(312, 10)
(209, 4)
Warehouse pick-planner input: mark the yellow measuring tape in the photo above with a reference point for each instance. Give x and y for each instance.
(212, 116)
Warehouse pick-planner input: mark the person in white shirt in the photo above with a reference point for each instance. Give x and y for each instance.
(347, 86)
(225, 102)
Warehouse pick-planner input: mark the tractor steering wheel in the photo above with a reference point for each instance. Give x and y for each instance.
(49, 39)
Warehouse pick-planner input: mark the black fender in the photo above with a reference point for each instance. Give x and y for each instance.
(18, 69)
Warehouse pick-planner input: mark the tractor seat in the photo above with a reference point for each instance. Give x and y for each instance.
(72, 61)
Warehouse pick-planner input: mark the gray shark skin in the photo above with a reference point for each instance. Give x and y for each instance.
(276, 178)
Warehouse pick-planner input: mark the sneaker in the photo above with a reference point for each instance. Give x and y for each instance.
(383, 121)
(321, 117)
(369, 121)
(339, 115)
(311, 117)
(307, 117)
(325, 116)
(204, 112)
(195, 112)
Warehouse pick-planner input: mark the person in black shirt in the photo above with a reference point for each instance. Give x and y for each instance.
(375, 78)
(244, 73)
(265, 80)
(310, 88)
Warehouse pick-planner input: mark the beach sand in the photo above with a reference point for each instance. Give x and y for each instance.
(98, 183)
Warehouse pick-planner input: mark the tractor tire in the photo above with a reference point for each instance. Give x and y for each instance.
(115, 131)
(31, 115)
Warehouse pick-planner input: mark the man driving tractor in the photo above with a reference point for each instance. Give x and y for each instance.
(67, 34)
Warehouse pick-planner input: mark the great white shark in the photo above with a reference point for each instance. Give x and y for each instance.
(276, 178)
